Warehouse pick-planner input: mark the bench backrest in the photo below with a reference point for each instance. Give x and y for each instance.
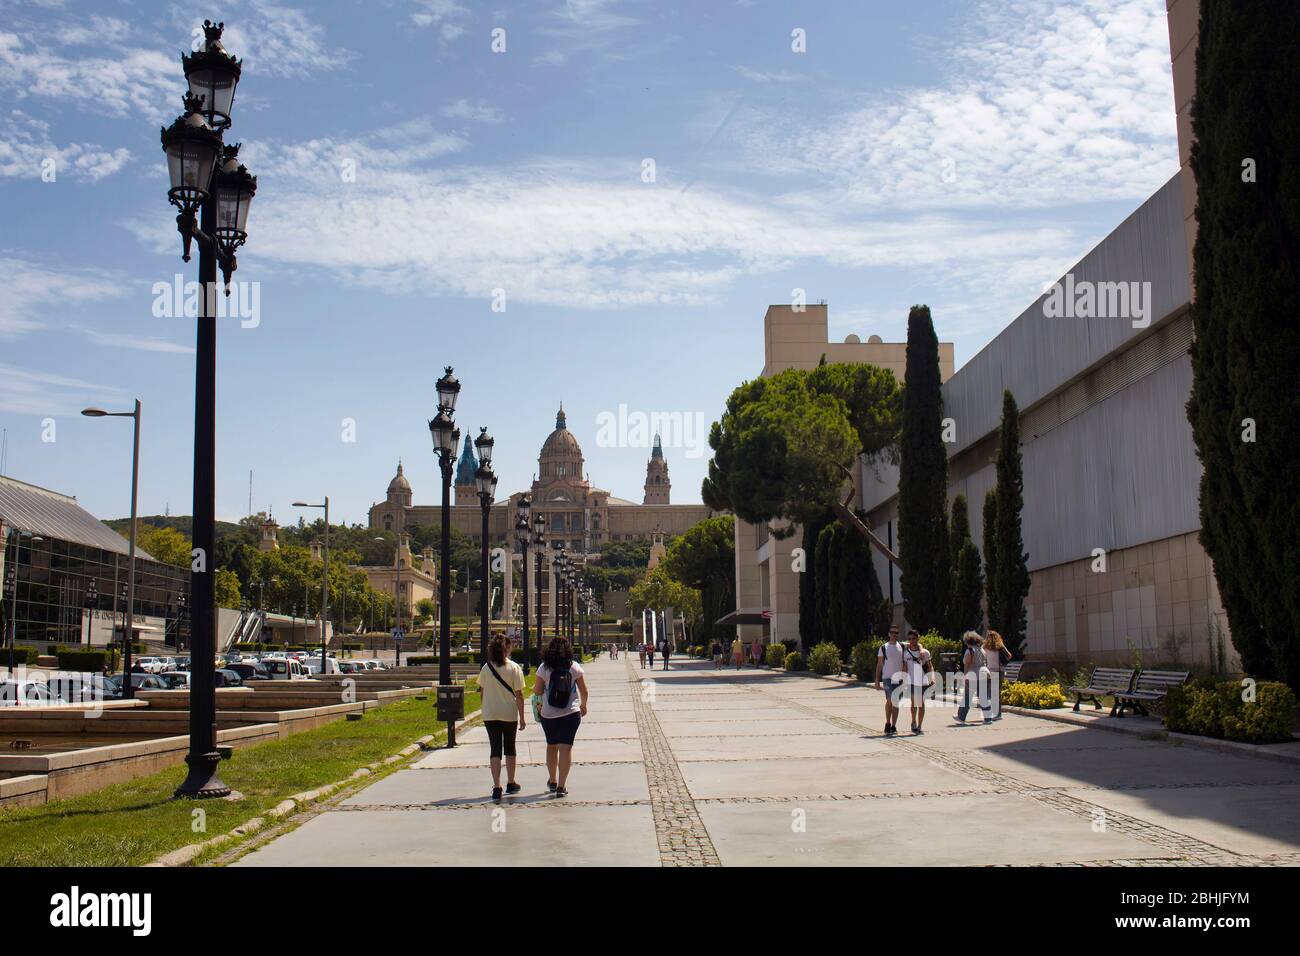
(1111, 678)
(1160, 681)
(1011, 673)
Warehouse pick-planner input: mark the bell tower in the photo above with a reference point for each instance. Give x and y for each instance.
(656, 476)
(466, 489)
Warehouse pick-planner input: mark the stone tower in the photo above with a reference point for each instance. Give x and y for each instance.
(466, 490)
(656, 476)
(269, 540)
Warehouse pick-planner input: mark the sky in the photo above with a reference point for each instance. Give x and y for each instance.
(590, 202)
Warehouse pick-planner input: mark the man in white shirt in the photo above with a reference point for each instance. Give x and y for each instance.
(917, 661)
(889, 664)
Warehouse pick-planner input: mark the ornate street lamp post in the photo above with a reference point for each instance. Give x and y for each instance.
(523, 530)
(325, 578)
(539, 542)
(446, 436)
(486, 483)
(207, 180)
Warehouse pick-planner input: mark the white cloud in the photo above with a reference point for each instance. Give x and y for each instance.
(477, 111)
(33, 293)
(26, 148)
(1046, 104)
(28, 391)
(447, 15)
(144, 343)
(776, 76)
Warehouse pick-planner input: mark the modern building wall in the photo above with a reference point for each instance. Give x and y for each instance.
(798, 338)
(1184, 17)
(1109, 465)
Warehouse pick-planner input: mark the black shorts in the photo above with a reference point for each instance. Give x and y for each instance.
(501, 737)
(561, 730)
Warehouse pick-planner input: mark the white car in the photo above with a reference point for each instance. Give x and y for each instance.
(152, 665)
(282, 669)
(26, 693)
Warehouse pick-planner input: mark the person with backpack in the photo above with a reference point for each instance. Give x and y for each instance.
(889, 664)
(668, 652)
(974, 664)
(563, 691)
(501, 684)
(920, 674)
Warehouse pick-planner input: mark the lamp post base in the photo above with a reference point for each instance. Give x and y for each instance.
(203, 781)
(451, 733)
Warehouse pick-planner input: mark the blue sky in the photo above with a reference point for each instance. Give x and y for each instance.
(961, 154)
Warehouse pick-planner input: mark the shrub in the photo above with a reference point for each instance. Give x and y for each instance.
(933, 642)
(85, 661)
(775, 655)
(862, 662)
(794, 662)
(1033, 695)
(22, 655)
(824, 659)
(1220, 710)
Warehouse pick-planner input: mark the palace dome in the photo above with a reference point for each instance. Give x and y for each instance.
(561, 443)
(399, 482)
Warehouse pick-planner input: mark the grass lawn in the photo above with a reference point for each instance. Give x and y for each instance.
(131, 823)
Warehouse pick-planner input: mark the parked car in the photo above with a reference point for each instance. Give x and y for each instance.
(249, 671)
(80, 688)
(142, 681)
(284, 669)
(26, 693)
(175, 680)
(228, 678)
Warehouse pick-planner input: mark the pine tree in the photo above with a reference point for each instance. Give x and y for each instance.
(808, 633)
(923, 481)
(1012, 583)
(990, 515)
(964, 610)
(1246, 346)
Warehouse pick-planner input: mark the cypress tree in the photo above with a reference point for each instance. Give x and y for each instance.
(990, 515)
(853, 591)
(923, 481)
(808, 634)
(822, 584)
(1012, 582)
(964, 610)
(1246, 347)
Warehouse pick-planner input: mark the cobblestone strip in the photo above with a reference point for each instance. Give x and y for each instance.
(1188, 849)
(683, 840)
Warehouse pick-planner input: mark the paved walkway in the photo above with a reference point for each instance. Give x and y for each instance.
(752, 767)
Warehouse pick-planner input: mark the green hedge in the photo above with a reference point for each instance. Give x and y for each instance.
(794, 662)
(23, 656)
(88, 660)
(862, 661)
(1221, 710)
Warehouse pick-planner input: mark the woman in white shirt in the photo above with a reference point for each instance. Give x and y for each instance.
(563, 692)
(501, 684)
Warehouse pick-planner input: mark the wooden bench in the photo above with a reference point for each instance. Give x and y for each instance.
(1104, 680)
(1150, 687)
(1011, 672)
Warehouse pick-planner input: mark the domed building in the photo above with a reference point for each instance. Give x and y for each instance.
(579, 515)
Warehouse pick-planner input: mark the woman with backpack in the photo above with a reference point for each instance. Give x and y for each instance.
(563, 692)
(501, 684)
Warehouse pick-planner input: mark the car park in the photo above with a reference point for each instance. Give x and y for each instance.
(175, 680)
(249, 670)
(26, 693)
(284, 669)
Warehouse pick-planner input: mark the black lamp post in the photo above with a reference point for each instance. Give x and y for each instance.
(207, 179)
(325, 581)
(486, 483)
(446, 436)
(557, 572)
(523, 530)
(539, 543)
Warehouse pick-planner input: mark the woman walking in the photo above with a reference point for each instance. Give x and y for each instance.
(715, 651)
(650, 653)
(916, 659)
(995, 655)
(668, 652)
(501, 684)
(563, 692)
(974, 672)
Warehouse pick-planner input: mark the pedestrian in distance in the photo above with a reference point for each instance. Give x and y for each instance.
(715, 651)
(996, 656)
(920, 675)
(668, 653)
(650, 653)
(738, 653)
(501, 684)
(640, 650)
(889, 665)
(563, 691)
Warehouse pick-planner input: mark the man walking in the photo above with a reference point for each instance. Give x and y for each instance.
(917, 661)
(889, 664)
